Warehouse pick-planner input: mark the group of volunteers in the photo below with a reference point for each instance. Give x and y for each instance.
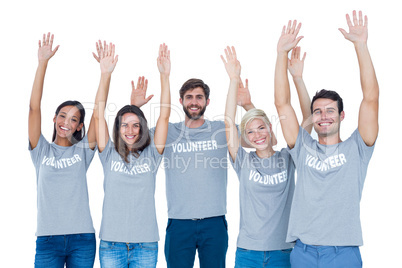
(314, 222)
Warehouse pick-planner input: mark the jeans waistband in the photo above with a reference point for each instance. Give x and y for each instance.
(306, 247)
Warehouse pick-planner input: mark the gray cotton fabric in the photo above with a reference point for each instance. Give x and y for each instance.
(326, 203)
(266, 191)
(195, 163)
(129, 213)
(62, 192)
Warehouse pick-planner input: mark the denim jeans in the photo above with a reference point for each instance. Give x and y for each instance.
(209, 236)
(251, 258)
(123, 255)
(325, 256)
(75, 250)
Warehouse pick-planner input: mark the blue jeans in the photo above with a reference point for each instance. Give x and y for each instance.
(246, 258)
(123, 255)
(75, 250)
(325, 256)
(184, 237)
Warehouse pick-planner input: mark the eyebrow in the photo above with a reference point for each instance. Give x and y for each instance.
(329, 108)
(64, 113)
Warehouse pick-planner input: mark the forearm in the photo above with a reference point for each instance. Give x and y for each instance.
(368, 77)
(162, 125)
(37, 88)
(165, 97)
(230, 114)
(305, 102)
(281, 81)
(102, 95)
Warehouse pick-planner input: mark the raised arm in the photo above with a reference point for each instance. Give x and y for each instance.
(45, 52)
(233, 68)
(287, 116)
(108, 61)
(162, 125)
(295, 66)
(368, 113)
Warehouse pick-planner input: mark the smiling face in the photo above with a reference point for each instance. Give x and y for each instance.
(67, 122)
(258, 134)
(130, 128)
(194, 103)
(326, 117)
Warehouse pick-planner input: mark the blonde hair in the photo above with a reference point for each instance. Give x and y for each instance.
(250, 116)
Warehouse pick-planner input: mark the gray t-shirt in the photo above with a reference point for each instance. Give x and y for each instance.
(129, 213)
(326, 203)
(195, 163)
(62, 198)
(266, 191)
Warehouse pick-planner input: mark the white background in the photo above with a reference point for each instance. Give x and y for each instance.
(196, 32)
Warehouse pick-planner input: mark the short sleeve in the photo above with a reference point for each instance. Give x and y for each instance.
(237, 164)
(88, 152)
(38, 150)
(303, 141)
(105, 155)
(154, 151)
(365, 151)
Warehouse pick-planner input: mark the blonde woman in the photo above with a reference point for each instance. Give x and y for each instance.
(266, 176)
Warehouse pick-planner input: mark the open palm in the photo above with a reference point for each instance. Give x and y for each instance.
(45, 51)
(358, 32)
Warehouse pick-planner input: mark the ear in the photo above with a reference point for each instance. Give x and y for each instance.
(80, 127)
(54, 119)
(342, 115)
(181, 101)
(207, 102)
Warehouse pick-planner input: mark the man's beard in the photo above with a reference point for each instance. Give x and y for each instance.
(197, 116)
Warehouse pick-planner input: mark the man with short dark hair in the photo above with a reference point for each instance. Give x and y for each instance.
(325, 214)
(195, 163)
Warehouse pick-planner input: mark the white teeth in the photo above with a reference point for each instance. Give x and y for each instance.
(63, 128)
(325, 124)
(130, 137)
(260, 141)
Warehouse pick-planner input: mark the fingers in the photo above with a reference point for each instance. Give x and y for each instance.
(304, 56)
(349, 22)
(344, 33)
(149, 98)
(223, 59)
(55, 50)
(355, 18)
(289, 26)
(241, 84)
(246, 83)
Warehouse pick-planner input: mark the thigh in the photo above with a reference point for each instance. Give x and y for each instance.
(81, 250)
(300, 258)
(213, 242)
(345, 257)
(279, 258)
(180, 243)
(113, 255)
(48, 252)
(145, 255)
(249, 258)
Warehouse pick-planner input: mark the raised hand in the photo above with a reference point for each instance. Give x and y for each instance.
(45, 51)
(295, 64)
(243, 94)
(106, 56)
(289, 38)
(138, 94)
(163, 60)
(232, 65)
(358, 32)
